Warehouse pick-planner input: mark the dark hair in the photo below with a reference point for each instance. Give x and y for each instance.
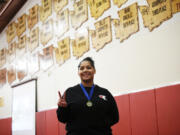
(89, 59)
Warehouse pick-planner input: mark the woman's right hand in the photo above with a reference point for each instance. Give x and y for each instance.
(62, 100)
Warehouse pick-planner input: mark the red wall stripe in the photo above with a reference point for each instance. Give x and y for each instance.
(5, 126)
(62, 130)
(40, 123)
(143, 113)
(123, 126)
(52, 124)
(168, 110)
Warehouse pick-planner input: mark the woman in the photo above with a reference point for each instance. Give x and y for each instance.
(87, 109)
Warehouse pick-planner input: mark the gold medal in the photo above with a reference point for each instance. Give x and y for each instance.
(89, 104)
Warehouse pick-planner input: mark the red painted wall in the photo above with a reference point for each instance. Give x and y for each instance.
(168, 110)
(41, 123)
(152, 112)
(5, 126)
(124, 125)
(143, 113)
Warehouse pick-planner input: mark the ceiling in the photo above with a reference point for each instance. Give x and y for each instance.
(8, 9)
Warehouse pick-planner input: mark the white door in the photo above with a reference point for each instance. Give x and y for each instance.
(24, 108)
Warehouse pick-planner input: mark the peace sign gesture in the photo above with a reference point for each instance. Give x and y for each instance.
(62, 100)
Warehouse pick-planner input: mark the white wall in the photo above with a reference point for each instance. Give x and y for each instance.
(144, 61)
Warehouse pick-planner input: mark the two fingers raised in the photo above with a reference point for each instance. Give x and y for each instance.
(62, 100)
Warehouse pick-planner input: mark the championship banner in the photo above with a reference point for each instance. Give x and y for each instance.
(59, 5)
(33, 64)
(80, 14)
(45, 10)
(21, 25)
(11, 52)
(21, 46)
(119, 3)
(21, 68)
(3, 76)
(2, 57)
(98, 7)
(11, 32)
(157, 12)
(175, 6)
(62, 23)
(145, 11)
(103, 33)
(128, 23)
(80, 44)
(46, 59)
(1, 101)
(46, 33)
(11, 73)
(33, 40)
(32, 17)
(62, 53)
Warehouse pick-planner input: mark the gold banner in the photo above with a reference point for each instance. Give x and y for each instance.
(46, 59)
(32, 17)
(59, 5)
(175, 6)
(146, 15)
(128, 23)
(98, 7)
(103, 33)
(2, 57)
(33, 40)
(63, 51)
(80, 14)
(157, 12)
(3, 76)
(11, 32)
(45, 10)
(21, 46)
(81, 44)
(11, 73)
(62, 23)
(21, 26)
(11, 52)
(119, 3)
(46, 33)
(1, 101)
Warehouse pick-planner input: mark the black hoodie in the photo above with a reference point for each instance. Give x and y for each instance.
(83, 120)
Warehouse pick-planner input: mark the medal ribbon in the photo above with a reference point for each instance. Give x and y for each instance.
(85, 92)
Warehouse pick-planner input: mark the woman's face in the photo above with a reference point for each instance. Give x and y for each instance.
(86, 71)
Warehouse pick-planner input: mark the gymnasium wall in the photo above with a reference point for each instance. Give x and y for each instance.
(145, 61)
(152, 112)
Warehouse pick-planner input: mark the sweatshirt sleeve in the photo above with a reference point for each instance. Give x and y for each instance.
(113, 111)
(62, 114)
